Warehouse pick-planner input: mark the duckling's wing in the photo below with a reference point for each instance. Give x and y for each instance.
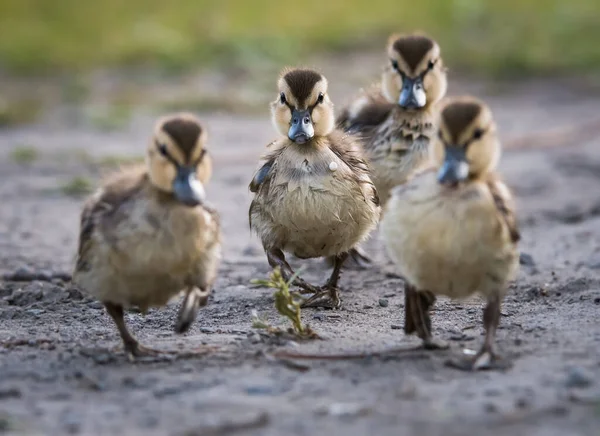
(504, 206)
(261, 176)
(100, 214)
(366, 112)
(266, 171)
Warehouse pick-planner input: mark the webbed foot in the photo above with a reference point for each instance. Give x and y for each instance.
(327, 297)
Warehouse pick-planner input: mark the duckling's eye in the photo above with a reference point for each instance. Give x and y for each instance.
(162, 148)
(282, 98)
(395, 64)
(320, 98)
(430, 65)
(477, 134)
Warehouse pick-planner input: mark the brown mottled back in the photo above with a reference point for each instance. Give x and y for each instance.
(457, 116)
(413, 48)
(184, 132)
(301, 83)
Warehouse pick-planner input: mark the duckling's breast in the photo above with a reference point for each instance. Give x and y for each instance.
(315, 206)
(449, 241)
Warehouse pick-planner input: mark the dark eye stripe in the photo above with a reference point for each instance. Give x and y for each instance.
(162, 149)
(203, 153)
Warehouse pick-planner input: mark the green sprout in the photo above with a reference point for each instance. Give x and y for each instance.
(287, 303)
(77, 187)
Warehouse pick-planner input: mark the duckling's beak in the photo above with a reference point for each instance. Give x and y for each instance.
(413, 94)
(301, 127)
(187, 188)
(455, 168)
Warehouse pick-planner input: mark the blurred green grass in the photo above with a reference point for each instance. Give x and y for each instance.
(494, 37)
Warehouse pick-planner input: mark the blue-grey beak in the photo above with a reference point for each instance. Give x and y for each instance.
(301, 127)
(413, 94)
(187, 188)
(455, 168)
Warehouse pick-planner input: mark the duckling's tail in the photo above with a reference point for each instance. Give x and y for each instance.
(194, 299)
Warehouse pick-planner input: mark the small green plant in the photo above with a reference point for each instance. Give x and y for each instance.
(287, 303)
(77, 186)
(24, 154)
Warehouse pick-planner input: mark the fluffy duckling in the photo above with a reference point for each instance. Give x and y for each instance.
(452, 231)
(147, 234)
(313, 195)
(396, 119)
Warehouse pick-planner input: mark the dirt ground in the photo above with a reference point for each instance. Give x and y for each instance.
(62, 369)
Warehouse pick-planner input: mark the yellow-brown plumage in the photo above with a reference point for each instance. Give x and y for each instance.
(147, 234)
(396, 133)
(313, 195)
(452, 230)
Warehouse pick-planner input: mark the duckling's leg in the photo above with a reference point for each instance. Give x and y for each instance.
(193, 300)
(486, 357)
(358, 255)
(417, 319)
(276, 258)
(359, 258)
(133, 348)
(328, 295)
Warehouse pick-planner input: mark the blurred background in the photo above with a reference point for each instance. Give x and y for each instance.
(113, 56)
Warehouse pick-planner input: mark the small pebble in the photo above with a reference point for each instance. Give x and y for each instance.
(490, 407)
(318, 316)
(11, 392)
(578, 377)
(383, 302)
(333, 166)
(207, 330)
(526, 259)
(396, 327)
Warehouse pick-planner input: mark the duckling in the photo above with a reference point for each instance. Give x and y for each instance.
(148, 233)
(313, 195)
(396, 119)
(452, 230)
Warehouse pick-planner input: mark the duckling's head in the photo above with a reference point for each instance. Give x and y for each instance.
(177, 159)
(302, 109)
(466, 147)
(415, 78)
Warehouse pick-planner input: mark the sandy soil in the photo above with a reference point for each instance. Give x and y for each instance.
(62, 369)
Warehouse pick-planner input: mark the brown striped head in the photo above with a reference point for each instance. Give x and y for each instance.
(177, 158)
(467, 145)
(415, 76)
(302, 109)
